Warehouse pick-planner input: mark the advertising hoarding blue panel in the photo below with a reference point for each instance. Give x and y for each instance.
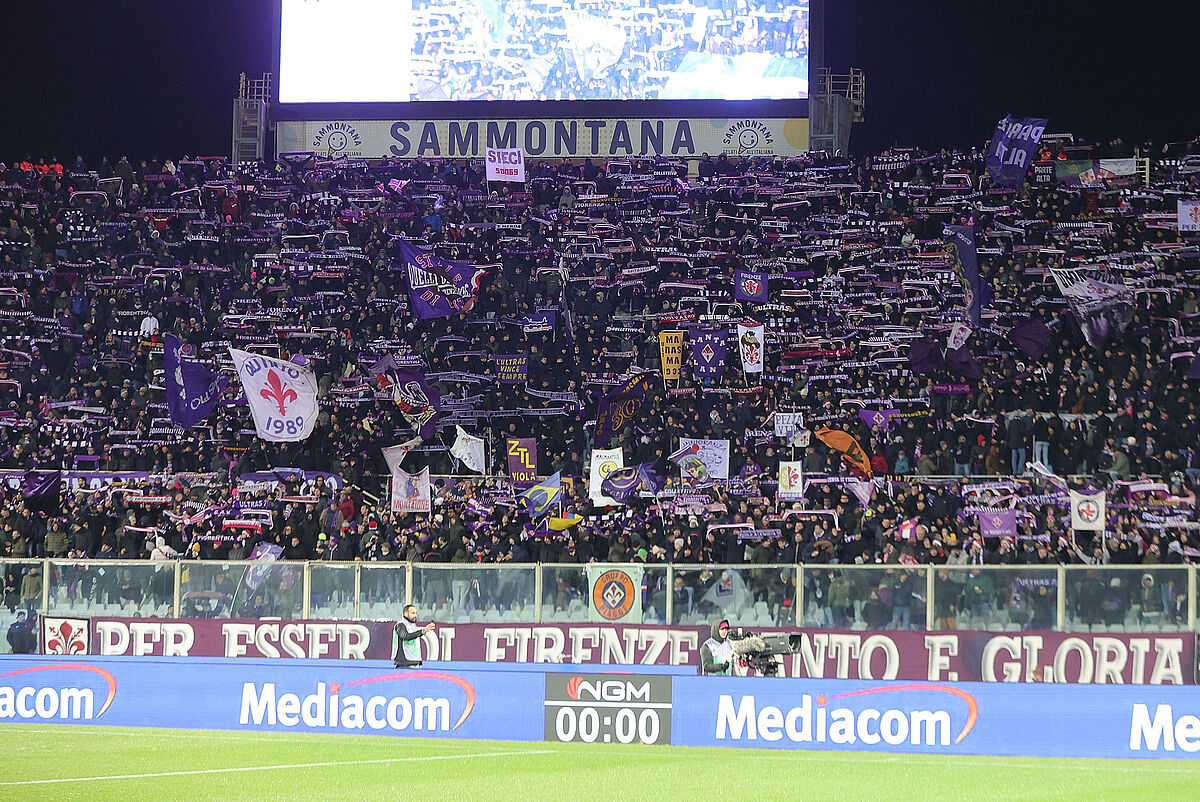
(1034, 720)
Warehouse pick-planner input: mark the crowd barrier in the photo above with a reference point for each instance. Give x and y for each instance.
(568, 703)
(1138, 658)
(1097, 599)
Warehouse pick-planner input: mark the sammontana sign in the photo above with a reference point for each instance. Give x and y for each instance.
(551, 138)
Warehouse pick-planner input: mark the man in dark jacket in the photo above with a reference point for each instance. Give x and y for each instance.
(408, 638)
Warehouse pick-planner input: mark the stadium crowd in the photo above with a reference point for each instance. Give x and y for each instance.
(587, 264)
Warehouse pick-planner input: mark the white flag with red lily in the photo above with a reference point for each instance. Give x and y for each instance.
(282, 396)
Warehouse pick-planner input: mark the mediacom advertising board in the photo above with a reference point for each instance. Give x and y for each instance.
(309, 696)
(529, 704)
(1115, 721)
(601, 138)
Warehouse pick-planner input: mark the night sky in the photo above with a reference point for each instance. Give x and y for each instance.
(157, 79)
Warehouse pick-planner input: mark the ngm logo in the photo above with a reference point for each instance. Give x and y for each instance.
(335, 706)
(608, 690)
(58, 695)
(820, 720)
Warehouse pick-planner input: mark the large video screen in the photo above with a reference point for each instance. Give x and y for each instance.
(388, 51)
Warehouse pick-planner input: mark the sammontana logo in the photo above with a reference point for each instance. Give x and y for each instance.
(332, 705)
(817, 720)
(337, 139)
(747, 137)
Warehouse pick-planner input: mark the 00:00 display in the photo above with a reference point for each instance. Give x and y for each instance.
(586, 722)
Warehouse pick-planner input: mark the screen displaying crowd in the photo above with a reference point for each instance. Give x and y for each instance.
(541, 50)
(910, 424)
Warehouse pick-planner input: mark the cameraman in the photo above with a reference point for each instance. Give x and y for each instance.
(716, 655)
(408, 638)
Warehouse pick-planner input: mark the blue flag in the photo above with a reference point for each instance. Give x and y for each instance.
(750, 286)
(542, 495)
(439, 287)
(192, 390)
(960, 243)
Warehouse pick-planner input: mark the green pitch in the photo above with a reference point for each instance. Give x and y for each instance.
(102, 763)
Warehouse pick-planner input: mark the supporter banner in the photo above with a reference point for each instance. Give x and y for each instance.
(469, 449)
(708, 353)
(522, 458)
(282, 396)
(702, 460)
(192, 389)
(963, 718)
(411, 491)
(324, 696)
(791, 481)
(1013, 148)
(1188, 215)
(439, 287)
(787, 424)
(618, 408)
(604, 462)
(614, 593)
(997, 523)
(547, 138)
(965, 259)
(670, 347)
(1087, 511)
(505, 164)
(750, 286)
(512, 369)
(943, 656)
(751, 345)
(1102, 303)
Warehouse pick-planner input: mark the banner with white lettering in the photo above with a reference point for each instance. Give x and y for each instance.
(505, 164)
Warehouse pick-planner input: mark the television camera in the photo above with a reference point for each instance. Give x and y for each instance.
(763, 653)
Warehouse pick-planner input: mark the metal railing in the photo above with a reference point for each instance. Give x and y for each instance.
(926, 597)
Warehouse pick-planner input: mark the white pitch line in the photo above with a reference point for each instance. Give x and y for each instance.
(274, 768)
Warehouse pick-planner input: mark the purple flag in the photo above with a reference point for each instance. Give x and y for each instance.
(617, 408)
(877, 418)
(42, 490)
(621, 483)
(262, 553)
(924, 356)
(1194, 370)
(750, 286)
(1012, 150)
(420, 403)
(998, 523)
(439, 287)
(960, 243)
(1031, 336)
(962, 362)
(708, 353)
(192, 390)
